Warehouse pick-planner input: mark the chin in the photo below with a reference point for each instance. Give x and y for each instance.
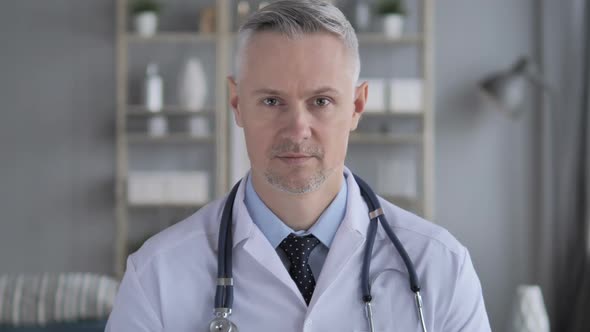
(298, 181)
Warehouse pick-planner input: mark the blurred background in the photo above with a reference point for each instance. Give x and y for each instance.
(115, 125)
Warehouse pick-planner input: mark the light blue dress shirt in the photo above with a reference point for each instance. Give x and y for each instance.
(276, 230)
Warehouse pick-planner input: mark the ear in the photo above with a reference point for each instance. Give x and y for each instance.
(360, 99)
(233, 100)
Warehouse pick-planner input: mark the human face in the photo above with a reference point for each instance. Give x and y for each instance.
(297, 103)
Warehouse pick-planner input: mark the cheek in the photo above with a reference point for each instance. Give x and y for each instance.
(335, 142)
(258, 141)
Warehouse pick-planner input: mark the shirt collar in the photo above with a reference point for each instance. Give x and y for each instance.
(275, 230)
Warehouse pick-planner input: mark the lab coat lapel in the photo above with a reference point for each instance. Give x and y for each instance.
(256, 245)
(347, 242)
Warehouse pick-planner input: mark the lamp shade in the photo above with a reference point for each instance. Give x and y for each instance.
(507, 89)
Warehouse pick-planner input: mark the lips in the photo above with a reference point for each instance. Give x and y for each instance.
(294, 159)
(294, 155)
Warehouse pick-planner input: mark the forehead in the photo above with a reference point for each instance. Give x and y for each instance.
(317, 58)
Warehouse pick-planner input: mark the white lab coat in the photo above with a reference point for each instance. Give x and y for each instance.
(170, 282)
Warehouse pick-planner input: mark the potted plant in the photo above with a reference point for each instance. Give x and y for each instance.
(145, 16)
(393, 12)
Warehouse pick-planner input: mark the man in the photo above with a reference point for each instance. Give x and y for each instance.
(295, 96)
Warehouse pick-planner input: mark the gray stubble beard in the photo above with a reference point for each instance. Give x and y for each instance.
(310, 185)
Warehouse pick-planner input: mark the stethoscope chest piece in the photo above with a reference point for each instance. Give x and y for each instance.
(221, 324)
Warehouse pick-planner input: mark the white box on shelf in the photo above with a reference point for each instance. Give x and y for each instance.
(376, 99)
(144, 188)
(397, 177)
(406, 95)
(157, 187)
(187, 187)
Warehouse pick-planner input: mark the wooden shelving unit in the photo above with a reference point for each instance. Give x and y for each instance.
(171, 138)
(380, 139)
(173, 37)
(376, 38)
(222, 41)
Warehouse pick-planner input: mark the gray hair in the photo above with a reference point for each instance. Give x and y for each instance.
(295, 18)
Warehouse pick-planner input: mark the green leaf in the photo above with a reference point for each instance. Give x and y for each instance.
(385, 7)
(142, 6)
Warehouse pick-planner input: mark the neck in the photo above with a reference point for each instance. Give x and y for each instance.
(298, 211)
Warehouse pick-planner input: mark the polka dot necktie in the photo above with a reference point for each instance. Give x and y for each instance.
(298, 249)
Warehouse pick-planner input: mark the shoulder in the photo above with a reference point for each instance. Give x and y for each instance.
(198, 229)
(423, 236)
(446, 273)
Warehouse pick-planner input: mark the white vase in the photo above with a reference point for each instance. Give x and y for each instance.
(146, 23)
(193, 86)
(393, 25)
(529, 313)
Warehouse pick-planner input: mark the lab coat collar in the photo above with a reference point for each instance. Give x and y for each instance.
(349, 239)
(257, 245)
(242, 222)
(347, 242)
(357, 211)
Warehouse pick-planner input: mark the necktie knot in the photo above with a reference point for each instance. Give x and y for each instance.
(298, 248)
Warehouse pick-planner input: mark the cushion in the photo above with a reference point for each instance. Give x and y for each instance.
(55, 298)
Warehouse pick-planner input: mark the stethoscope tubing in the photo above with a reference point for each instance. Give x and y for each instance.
(374, 205)
(224, 289)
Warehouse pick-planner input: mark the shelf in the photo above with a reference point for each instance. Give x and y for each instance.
(173, 37)
(171, 138)
(368, 138)
(392, 114)
(379, 38)
(196, 37)
(166, 205)
(138, 110)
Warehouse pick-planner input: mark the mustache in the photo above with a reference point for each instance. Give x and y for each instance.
(292, 147)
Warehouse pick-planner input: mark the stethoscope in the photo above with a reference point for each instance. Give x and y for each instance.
(224, 290)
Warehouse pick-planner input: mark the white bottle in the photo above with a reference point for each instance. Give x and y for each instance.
(153, 89)
(153, 97)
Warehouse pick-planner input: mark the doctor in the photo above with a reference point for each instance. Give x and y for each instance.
(295, 95)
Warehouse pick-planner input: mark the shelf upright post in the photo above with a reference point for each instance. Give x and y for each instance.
(222, 68)
(429, 117)
(121, 215)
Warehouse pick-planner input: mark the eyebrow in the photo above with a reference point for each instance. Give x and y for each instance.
(320, 90)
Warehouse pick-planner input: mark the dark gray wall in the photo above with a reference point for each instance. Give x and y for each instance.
(56, 135)
(57, 147)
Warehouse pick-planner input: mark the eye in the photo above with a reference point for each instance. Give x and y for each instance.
(321, 102)
(270, 101)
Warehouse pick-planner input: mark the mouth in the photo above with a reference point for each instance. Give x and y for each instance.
(294, 155)
(294, 158)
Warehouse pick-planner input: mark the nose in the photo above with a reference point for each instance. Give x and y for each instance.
(298, 124)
